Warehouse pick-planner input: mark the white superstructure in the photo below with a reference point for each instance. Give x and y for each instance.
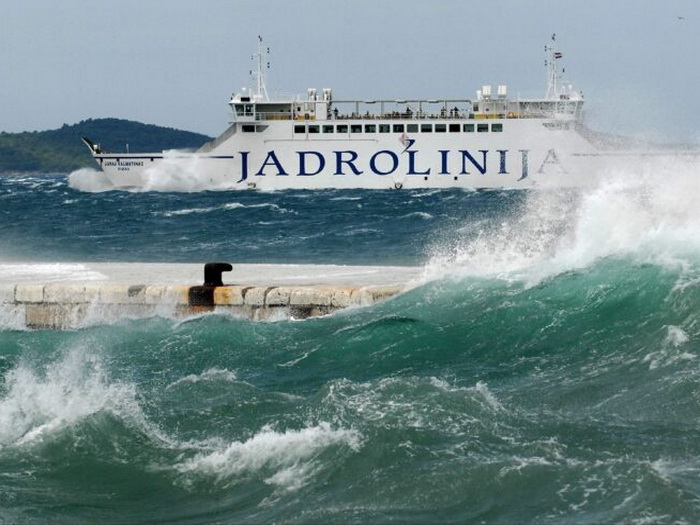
(317, 141)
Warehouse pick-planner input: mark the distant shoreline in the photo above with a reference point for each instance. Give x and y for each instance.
(61, 151)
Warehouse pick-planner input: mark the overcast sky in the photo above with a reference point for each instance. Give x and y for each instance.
(176, 62)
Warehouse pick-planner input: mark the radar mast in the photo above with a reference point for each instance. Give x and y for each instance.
(552, 57)
(261, 63)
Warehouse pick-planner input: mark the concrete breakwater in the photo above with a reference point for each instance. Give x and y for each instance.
(287, 294)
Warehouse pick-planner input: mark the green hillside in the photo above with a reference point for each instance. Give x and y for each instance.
(61, 150)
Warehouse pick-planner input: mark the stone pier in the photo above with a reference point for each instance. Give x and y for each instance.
(70, 295)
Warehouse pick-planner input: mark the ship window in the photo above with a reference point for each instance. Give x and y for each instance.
(398, 128)
(469, 128)
(239, 110)
(384, 128)
(481, 128)
(248, 128)
(426, 128)
(355, 128)
(497, 127)
(440, 128)
(412, 128)
(455, 128)
(299, 128)
(313, 129)
(328, 129)
(370, 128)
(342, 128)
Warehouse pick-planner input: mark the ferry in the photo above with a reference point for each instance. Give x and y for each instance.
(317, 141)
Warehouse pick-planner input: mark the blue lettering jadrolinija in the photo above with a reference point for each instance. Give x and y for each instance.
(310, 163)
(320, 163)
(375, 159)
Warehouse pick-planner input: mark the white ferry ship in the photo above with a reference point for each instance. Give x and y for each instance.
(317, 141)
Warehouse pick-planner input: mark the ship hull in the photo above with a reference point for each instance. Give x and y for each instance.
(522, 154)
(490, 142)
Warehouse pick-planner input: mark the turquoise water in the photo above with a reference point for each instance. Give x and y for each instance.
(546, 371)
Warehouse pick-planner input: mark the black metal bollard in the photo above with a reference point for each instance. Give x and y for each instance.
(213, 271)
(204, 295)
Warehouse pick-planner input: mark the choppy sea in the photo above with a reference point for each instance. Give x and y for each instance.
(547, 369)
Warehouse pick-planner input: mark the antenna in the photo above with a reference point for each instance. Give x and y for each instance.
(552, 56)
(261, 60)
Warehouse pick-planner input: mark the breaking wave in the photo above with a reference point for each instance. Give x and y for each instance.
(652, 215)
(286, 460)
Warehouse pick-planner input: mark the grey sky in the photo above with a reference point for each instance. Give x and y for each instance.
(176, 62)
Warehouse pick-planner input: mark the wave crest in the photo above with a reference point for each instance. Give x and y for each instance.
(285, 460)
(40, 403)
(650, 213)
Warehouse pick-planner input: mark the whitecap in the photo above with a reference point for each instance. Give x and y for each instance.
(211, 374)
(671, 350)
(286, 460)
(271, 206)
(40, 403)
(648, 212)
(418, 214)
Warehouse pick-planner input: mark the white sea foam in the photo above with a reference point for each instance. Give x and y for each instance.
(480, 388)
(178, 171)
(226, 207)
(489, 397)
(651, 213)
(418, 214)
(271, 206)
(38, 403)
(672, 349)
(187, 211)
(414, 402)
(211, 374)
(89, 180)
(285, 460)
(12, 317)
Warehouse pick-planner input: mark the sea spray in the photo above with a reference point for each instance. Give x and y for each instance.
(89, 180)
(39, 403)
(183, 174)
(177, 172)
(652, 213)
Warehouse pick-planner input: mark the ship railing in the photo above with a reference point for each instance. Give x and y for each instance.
(402, 115)
(434, 116)
(513, 111)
